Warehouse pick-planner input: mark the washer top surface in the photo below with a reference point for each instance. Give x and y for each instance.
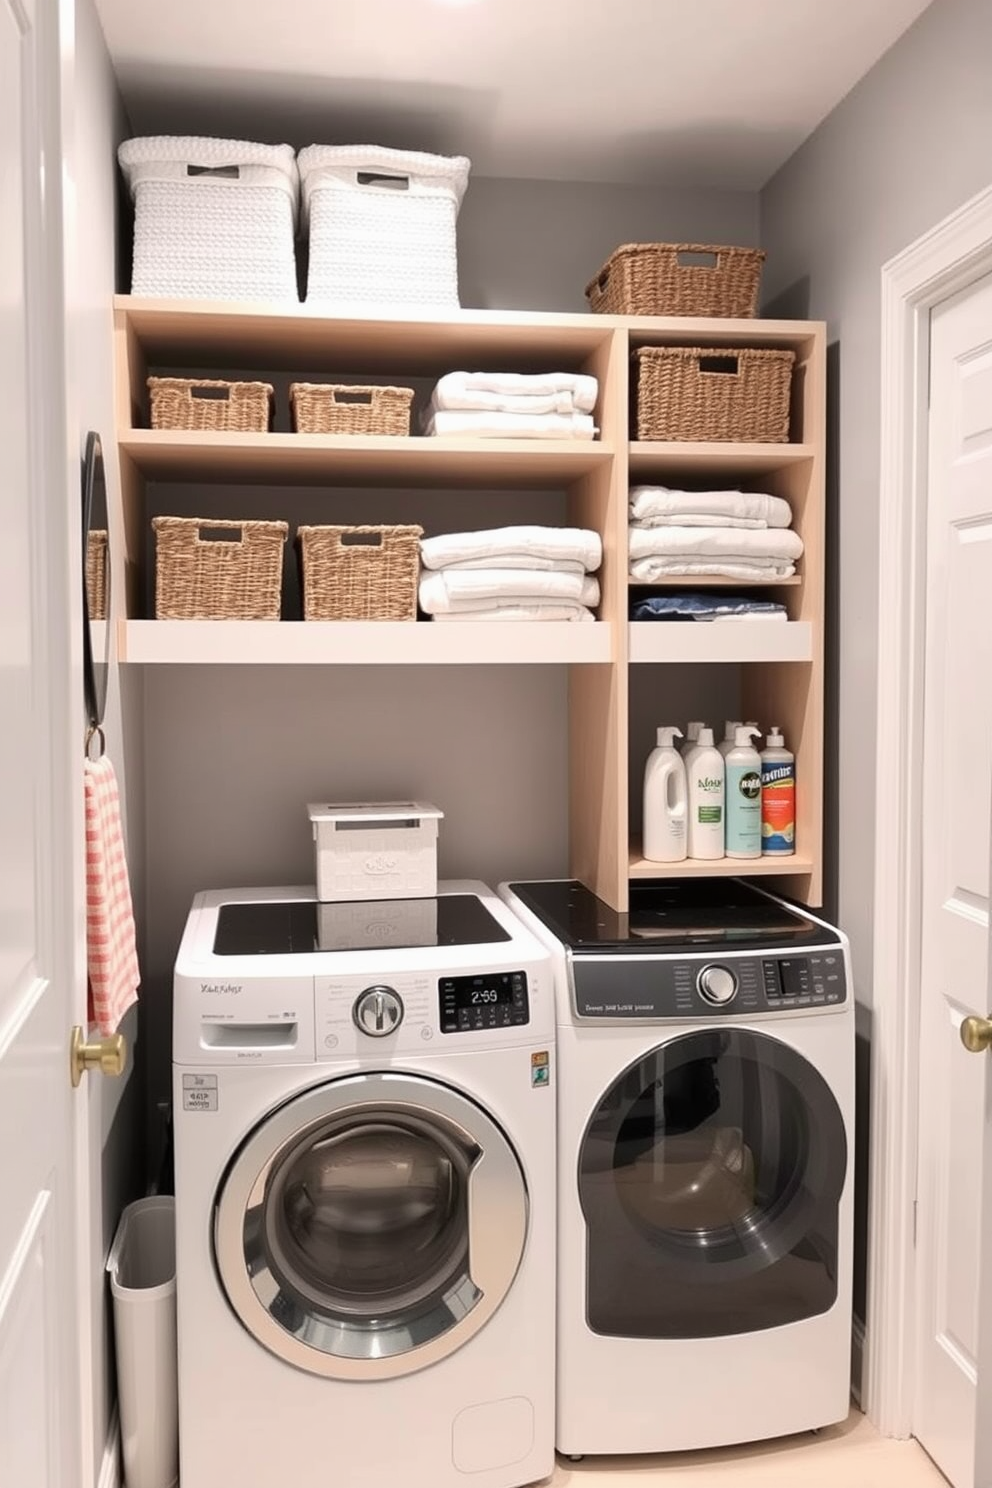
(671, 915)
(300, 927)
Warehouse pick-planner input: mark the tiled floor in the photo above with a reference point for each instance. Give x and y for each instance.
(852, 1455)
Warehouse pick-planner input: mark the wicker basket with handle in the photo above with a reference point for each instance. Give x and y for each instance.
(712, 394)
(209, 403)
(678, 279)
(96, 573)
(210, 569)
(360, 573)
(337, 408)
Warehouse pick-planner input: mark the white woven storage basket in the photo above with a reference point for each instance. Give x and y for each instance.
(213, 219)
(382, 226)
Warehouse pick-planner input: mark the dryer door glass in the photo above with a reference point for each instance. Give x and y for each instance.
(371, 1226)
(710, 1178)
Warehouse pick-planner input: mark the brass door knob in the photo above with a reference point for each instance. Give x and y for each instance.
(108, 1055)
(976, 1034)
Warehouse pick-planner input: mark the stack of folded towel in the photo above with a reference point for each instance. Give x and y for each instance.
(728, 534)
(511, 573)
(513, 405)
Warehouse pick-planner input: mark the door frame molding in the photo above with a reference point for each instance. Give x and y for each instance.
(954, 254)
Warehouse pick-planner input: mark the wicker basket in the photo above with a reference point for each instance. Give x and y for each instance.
(713, 394)
(360, 573)
(96, 573)
(336, 408)
(204, 575)
(669, 279)
(209, 403)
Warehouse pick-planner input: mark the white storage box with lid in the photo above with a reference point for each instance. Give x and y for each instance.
(213, 219)
(375, 850)
(382, 226)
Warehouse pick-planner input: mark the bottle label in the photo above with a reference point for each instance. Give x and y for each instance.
(743, 810)
(778, 807)
(711, 815)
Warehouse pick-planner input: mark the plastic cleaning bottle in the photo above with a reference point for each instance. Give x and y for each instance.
(665, 800)
(778, 797)
(705, 772)
(729, 736)
(743, 788)
(691, 737)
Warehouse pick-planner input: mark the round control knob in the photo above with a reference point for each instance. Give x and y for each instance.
(378, 1011)
(717, 984)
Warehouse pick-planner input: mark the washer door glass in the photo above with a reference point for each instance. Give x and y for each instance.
(710, 1178)
(372, 1226)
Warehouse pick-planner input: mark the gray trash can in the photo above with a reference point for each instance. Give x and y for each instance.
(142, 1268)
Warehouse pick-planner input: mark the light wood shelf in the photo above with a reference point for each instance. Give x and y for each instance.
(780, 665)
(266, 459)
(720, 641)
(769, 867)
(361, 643)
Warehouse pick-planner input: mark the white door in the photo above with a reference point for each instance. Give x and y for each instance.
(39, 1367)
(955, 1088)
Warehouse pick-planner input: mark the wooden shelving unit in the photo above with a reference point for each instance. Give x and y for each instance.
(779, 665)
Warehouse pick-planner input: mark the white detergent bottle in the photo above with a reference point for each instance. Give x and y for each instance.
(729, 736)
(665, 800)
(778, 797)
(691, 736)
(705, 771)
(743, 788)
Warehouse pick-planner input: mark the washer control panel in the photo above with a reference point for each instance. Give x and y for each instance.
(681, 987)
(474, 1003)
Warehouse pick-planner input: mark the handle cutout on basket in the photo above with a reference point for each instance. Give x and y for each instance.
(211, 394)
(218, 172)
(693, 258)
(603, 279)
(208, 534)
(352, 395)
(726, 366)
(361, 539)
(392, 183)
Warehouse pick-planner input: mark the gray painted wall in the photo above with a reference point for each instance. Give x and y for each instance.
(903, 150)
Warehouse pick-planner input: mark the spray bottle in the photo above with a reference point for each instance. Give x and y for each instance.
(665, 803)
(778, 797)
(744, 795)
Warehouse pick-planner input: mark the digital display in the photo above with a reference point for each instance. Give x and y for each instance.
(494, 1000)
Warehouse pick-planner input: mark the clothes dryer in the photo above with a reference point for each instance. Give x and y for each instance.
(705, 1132)
(365, 1192)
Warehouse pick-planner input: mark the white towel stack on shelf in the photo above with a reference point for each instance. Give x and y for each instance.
(513, 405)
(742, 535)
(511, 573)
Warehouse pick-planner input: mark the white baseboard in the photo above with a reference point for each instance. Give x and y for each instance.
(857, 1359)
(110, 1467)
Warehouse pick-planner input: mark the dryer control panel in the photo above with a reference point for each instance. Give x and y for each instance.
(681, 987)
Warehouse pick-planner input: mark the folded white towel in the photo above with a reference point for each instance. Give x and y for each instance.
(747, 570)
(509, 547)
(479, 425)
(715, 542)
(504, 402)
(526, 610)
(479, 588)
(696, 519)
(664, 501)
(579, 387)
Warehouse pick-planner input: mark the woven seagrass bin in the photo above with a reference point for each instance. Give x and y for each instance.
(710, 394)
(335, 408)
(678, 279)
(96, 573)
(209, 403)
(360, 573)
(217, 570)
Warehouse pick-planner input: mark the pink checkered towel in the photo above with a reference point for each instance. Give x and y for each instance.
(111, 955)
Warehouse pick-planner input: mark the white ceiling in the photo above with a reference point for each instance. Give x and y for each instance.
(716, 92)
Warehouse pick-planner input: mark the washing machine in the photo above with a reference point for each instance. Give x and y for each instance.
(705, 1133)
(365, 1192)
